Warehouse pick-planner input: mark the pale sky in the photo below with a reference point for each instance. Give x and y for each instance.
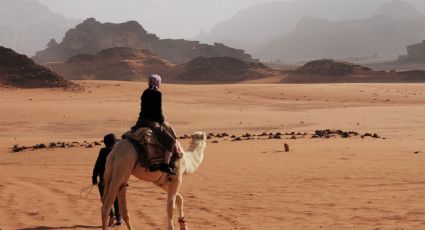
(166, 18)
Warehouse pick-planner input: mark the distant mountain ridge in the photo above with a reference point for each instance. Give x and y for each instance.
(383, 35)
(251, 28)
(92, 36)
(26, 26)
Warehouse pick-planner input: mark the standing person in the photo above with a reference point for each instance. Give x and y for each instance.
(151, 116)
(98, 171)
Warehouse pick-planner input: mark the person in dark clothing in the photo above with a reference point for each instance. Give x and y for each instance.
(151, 116)
(98, 171)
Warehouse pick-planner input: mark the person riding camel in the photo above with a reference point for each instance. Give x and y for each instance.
(151, 116)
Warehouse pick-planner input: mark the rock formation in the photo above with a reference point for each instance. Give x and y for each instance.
(328, 67)
(330, 71)
(415, 52)
(118, 63)
(20, 71)
(385, 34)
(91, 36)
(221, 69)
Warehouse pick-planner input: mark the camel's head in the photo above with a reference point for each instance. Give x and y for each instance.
(199, 136)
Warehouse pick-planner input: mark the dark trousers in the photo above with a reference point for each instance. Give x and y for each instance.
(117, 215)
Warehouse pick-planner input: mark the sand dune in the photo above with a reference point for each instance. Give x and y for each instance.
(320, 184)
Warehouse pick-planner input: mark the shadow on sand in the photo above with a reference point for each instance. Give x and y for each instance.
(61, 227)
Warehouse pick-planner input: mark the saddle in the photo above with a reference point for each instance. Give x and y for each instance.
(149, 150)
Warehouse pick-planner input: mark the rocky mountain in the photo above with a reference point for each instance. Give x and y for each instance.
(118, 63)
(26, 26)
(221, 69)
(249, 29)
(18, 70)
(379, 35)
(92, 36)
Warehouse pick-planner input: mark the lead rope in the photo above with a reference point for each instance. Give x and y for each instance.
(84, 193)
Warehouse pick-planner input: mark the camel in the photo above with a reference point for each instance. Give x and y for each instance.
(123, 162)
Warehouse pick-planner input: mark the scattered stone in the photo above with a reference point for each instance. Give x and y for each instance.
(375, 135)
(237, 139)
(286, 146)
(345, 135)
(247, 135)
(233, 136)
(417, 152)
(215, 142)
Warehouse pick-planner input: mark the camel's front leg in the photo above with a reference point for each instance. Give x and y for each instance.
(173, 188)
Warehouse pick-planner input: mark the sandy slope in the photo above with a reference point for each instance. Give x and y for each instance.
(321, 183)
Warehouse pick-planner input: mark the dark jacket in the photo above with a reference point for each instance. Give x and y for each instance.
(151, 106)
(99, 167)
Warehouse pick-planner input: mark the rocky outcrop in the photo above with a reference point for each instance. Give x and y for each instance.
(92, 36)
(20, 71)
(415, 52)
(329, 67)
(331, 71)
(221, 69)
(118, 63)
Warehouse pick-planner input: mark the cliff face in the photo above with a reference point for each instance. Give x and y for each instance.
(92, 36)
(20, 71)
(118, 63)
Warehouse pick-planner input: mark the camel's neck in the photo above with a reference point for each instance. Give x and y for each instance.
(194, 156)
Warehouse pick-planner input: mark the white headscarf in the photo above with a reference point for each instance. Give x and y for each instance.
(154, 81)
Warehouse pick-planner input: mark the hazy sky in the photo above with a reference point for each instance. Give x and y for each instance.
(166, 18)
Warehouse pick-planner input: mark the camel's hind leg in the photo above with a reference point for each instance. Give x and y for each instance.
(122, 200)
(182, 221)
(109, 195)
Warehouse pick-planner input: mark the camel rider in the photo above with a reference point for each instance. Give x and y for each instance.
(98, 171)
(151, 116)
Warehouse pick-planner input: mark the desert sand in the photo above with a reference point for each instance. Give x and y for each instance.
(334, 183)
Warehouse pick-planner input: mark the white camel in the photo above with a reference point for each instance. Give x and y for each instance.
(123, 162)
